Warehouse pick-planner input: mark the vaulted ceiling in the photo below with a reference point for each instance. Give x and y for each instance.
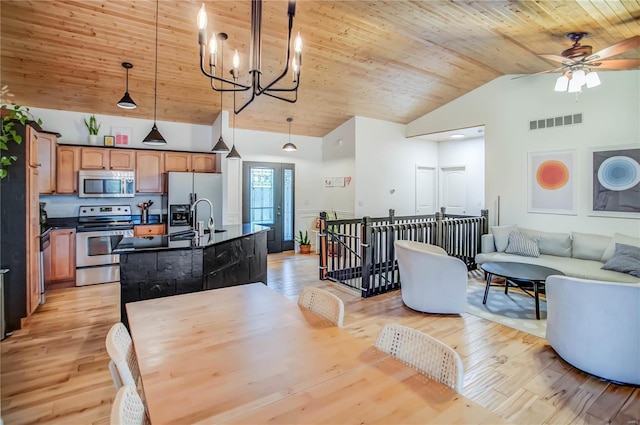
(390, 60)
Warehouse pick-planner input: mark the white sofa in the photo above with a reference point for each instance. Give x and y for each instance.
(431, 281)
(577, 254)
(595, 326)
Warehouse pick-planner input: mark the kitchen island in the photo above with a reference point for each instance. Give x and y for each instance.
(161, 266)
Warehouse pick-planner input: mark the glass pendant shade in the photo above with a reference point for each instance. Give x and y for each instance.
(234, 153)
(562, 83)
(592, 79)
(126, 102)
(154, 138)
(574, 86)
(579, 77)
(220, 147)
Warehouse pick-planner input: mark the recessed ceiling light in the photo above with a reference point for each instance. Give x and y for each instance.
(457, 136)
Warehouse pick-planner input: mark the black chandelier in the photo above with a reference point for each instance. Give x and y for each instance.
(256, 87)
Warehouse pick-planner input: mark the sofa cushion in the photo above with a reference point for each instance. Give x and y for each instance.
(585, 269)
(501, 236)
(618, 238)
(521, 244)
(588, 246)
(551, 243)
(626, 259)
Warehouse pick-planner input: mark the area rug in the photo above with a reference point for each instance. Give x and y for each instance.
(515, 309)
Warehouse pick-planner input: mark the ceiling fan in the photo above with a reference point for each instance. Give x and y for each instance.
(579, 63)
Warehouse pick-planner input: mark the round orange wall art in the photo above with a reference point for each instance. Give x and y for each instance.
(552, 175)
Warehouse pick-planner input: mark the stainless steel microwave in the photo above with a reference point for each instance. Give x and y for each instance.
(106, 184)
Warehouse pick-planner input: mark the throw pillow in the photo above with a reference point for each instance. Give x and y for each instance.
(626, 259)
(618, 238)
(501, 236)
(521, 244)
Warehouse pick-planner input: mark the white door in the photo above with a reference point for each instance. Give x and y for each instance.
(425, 190)
(453, 189)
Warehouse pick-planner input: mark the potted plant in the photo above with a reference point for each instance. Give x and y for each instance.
(10, 114)
(305, 243)
(333, 245)
(93, 126)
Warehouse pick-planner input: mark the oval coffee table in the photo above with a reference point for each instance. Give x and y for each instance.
(518, 274)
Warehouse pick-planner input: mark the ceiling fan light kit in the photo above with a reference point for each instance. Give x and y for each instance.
(578, 61)
(256, 88)
(126, 102)
(154, 138)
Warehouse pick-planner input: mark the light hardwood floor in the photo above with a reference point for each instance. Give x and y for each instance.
(54, 370)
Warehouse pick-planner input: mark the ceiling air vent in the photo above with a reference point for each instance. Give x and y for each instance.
(555, 122)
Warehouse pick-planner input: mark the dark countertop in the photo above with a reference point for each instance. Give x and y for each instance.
(72, 222)
(168, 242)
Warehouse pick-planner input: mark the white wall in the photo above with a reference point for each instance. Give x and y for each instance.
(470, 153)
(179, 136)
(339, 160)
(506, 106)
(385, 167)
(264, 146)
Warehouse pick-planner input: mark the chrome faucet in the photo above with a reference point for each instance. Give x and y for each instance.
(210, 224)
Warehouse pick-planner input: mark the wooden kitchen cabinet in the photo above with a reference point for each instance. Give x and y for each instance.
(33, 223)
(149, 230)
(67, 166)
(149, 170)
(203, 162)
(177, 161)
(122, 159)
(94, 159)
(63, 255)
(47, 144)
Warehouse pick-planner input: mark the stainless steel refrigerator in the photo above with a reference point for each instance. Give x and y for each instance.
(184, 190)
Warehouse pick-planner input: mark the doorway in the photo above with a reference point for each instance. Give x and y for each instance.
(425, 190)
(453, 189)
(268, 199)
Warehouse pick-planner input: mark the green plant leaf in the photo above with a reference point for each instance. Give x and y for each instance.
(3, 173)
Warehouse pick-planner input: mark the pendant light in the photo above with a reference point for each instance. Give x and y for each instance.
(126, 102)
(154, 137)
(234, 152)
(221, 146)
(289, 147)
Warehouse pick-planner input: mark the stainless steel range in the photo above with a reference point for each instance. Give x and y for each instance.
(100, 228)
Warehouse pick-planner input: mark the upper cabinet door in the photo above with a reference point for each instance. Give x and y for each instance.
(47, 144)
(94, 159)
(149, 167)
(203, 162)
(122, 159)
(67, 166)
(177, 161)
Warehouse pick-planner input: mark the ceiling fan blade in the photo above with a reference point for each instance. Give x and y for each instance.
(616, 64)
(557, 58)
(538, 73)
(616, 49)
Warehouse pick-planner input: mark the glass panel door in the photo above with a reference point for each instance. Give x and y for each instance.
(268, 199)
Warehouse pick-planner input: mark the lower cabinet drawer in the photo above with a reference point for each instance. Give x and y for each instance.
(148, 230)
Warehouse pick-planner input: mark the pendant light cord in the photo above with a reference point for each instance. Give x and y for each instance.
(155, 87)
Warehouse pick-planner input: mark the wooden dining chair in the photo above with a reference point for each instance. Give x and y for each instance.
(423, 352)
(120, 350)
(324, 303)
(127, 408)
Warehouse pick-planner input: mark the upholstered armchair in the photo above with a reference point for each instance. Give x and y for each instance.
(595, 326)
(431, 281)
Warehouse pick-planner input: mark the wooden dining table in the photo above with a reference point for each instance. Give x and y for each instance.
(247, 354)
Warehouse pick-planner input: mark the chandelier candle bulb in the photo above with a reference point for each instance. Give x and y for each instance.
(202, 26)
(236, 62)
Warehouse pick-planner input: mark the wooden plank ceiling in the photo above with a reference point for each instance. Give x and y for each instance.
(390, 60)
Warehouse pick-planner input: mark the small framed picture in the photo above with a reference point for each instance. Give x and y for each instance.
(109, 141)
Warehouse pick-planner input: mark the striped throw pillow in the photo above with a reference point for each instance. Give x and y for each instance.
(521, 244)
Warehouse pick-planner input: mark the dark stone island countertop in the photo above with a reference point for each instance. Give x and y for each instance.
(170, 242)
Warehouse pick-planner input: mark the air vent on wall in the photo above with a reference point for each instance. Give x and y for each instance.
(555, 122)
